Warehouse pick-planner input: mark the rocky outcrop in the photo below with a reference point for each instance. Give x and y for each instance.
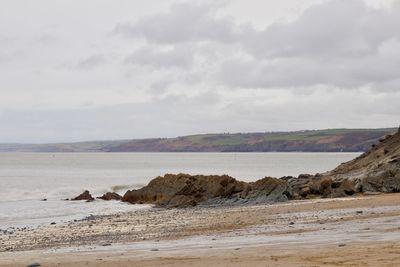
(184, 190)
(312, 186)
(377, 170)
(110, 196)
(269, 189)
(84, 196)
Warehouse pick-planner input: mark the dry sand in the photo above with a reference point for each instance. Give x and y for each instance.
(361, 231)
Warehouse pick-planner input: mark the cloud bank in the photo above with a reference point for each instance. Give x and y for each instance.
(193, 67)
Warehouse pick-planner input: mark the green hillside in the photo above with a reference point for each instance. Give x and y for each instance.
(330, 140)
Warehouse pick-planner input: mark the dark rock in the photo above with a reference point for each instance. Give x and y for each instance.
(110, 196)
(35, 264)
(183, 190)
(341, 245)
(84, 196)
(53, 223)
(44, 199)
(268, 189)
(374, 171)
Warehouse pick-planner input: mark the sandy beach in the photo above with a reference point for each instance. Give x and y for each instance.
(357, 231)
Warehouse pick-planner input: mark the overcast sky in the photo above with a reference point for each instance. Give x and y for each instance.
(120, 69)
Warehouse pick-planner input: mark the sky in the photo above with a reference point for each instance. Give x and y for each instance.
(123, 69)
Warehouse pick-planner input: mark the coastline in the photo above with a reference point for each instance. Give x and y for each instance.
(295, 232)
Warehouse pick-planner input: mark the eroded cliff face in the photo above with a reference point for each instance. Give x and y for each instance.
(377, 170)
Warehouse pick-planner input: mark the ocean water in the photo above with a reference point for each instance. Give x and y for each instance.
(27, 178)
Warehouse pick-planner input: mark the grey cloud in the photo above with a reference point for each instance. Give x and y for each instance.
(339, 28)
(185, 22)
(91, 62)
(194, 69)
(179, 57)
(46, 38)
(337, 43)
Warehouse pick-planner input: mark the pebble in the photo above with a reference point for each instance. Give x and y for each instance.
(154, 249)
(341, 245)
(35, 264)
(106, 244)
(359, 211)
(291, 223)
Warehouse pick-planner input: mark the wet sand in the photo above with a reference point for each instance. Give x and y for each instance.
(360, 231)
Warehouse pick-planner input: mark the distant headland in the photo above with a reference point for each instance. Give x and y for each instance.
(329, 140)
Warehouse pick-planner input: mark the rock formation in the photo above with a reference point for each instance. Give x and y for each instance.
(377, 170)
(84, 196)
(110, 196)
(184, 190)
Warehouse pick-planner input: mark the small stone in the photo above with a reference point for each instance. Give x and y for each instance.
(341, 245)
(291, 223)
(106, 244)
(34, 264)
(359, 211)
(154, 249)
(53, 223)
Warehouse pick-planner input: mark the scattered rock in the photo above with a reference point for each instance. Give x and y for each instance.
(341, 245)
(359, 212)
(53, 223)
(35, 264)
(84, 196)
(106, 244)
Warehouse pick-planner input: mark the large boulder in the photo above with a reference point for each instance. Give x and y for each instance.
(387, 181)
(269, 189)
(84, 196)
(321, 186)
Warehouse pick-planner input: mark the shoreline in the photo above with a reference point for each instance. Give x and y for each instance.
(188, 236)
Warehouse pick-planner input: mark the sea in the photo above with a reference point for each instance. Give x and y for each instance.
(26, 179)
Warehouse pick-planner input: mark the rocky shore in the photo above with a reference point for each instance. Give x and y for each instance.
(296, 233)
(377, 170)
(195, 217)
